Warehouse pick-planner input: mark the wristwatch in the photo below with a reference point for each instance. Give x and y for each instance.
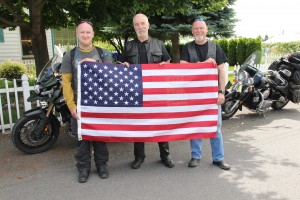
(221, 91)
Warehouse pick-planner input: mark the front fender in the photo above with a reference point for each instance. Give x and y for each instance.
(34, 112)
(39, 112)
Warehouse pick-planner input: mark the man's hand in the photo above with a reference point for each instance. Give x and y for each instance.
(211, 60)
(124, 63)
(221, 99)
(74, 114)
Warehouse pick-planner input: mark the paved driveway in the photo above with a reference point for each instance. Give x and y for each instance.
(263, 152)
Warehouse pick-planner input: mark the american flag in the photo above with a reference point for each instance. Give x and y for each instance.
(147, 103)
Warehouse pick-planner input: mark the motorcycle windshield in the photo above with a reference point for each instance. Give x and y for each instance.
(52, 66)
(249, 64)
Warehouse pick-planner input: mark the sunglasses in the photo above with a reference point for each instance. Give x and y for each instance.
(85, 21)
(201, 19)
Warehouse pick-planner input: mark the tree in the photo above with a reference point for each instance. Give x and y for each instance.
(168, 19)
(36, 16)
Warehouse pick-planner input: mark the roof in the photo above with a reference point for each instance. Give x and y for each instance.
(284, 38)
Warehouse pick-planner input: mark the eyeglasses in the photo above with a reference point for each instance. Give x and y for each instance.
(85, 21)
(201, 19)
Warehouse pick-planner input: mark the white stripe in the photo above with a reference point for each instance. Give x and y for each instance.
(181, 84)
(148, 133)
(189, 96)
(181, 72)
(92, 109)
(164, 121)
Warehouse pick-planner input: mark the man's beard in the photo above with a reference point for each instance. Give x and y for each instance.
(199, 38)
(142, 32)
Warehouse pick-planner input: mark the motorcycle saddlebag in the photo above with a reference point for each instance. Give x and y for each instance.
(294, 58)
(294, 93)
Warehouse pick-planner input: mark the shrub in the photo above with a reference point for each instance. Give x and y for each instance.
(12, 70)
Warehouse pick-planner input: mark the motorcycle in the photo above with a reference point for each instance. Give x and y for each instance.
(38, 129)
(257, 90)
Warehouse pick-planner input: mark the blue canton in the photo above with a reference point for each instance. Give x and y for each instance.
(111, 85)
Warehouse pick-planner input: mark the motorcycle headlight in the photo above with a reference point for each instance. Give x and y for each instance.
(243, 76)
(250, 81)
(37, 88)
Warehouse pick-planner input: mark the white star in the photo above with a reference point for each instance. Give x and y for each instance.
(100, 79)
(126, 84)
(121, 89)
(90, 97)
(116, 102)
(85, 83)
(90, 79)
(136, 103)
(95, 84)
(110, 98)
(95, 66)
(100, 88)
(85, 66)
(116, 93)
(126, 93)
(100, 97)
(95, 93)
(131, 90)
(105, 93)
(90, 88)
(85, 75)
(85, 101)
(121, 98)
(131, 98)
(126, 102)
(136, 94)
(95, 102)
(100, 71)
(105, 102)
(136, 85)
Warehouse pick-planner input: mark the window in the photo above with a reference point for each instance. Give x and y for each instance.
(1, 35)
(65, 36)
(26, 42)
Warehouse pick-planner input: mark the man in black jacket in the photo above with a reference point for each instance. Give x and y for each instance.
(145, 50)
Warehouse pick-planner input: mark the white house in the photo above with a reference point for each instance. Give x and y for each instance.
(11, 45)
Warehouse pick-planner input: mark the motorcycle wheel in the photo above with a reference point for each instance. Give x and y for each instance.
(25, 140)
(278, 105)
(226, 106)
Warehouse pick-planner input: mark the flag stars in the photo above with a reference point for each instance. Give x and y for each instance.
(111, 85)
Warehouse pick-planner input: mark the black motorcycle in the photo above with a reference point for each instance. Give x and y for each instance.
(256, 90)
(38, 129)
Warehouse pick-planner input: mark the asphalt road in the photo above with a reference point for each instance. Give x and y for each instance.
(263, 153)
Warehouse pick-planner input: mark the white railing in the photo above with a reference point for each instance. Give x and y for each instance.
(13, 102)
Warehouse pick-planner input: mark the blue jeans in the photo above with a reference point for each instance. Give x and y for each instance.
(216, 143)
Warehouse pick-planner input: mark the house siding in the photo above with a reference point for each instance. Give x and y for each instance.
(11, 48)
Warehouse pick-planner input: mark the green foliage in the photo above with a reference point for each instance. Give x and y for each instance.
(241, 50)
(232, 44)
(224, 45)
(253, 45)
(12, 69)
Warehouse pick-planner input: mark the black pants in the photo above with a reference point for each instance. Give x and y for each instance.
(139, 150)
(83, 154)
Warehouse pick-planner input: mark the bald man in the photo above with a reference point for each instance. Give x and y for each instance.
(143, 50)
(85, 51)
(203, 50)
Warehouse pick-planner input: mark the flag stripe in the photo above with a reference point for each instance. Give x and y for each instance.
(138, 128)
(148, 115)
(179, 78)
(180, 90)
(151, 138)
(178, 131)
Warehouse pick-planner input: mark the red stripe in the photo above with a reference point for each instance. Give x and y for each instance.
(148, 115)
(163, 138)
(147, 91)
(151, 127)
(177, 66)
(178, 78)
(179, 102)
